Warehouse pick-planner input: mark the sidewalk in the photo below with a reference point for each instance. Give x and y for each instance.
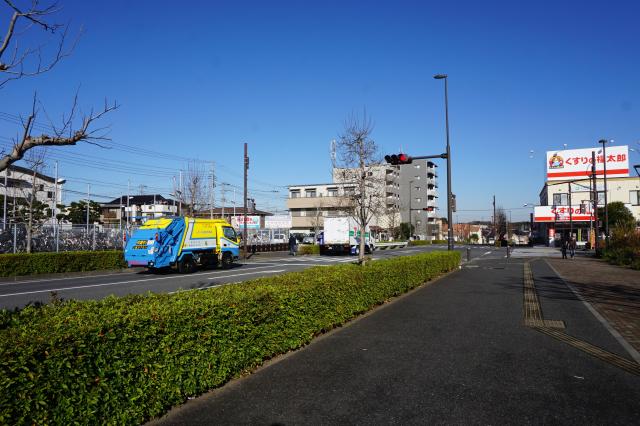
(452, 352)
(613, 291)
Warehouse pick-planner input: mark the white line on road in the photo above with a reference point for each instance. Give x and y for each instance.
(486, 253)
(116, 283)
(251, 273)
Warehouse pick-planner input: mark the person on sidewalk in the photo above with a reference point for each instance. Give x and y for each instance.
(565, 245)
(254, 244)
(572, 247)
(292, 245)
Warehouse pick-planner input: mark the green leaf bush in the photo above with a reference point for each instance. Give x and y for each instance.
(420, 243)
(125, 360)
(309, 249)
(70, 261)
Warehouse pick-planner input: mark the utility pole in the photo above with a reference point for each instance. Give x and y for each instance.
(595, 197)
(55, 206)
(88, 198)
(128, 196)
(495, 231)
(213, 185)
(244, 230)
(181, 193)
(4, 202)
(606, 206)
(224, 199)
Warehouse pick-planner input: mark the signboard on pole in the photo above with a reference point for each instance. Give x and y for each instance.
(278, 222)
(579, 213)
(253, 222)
(576, 163)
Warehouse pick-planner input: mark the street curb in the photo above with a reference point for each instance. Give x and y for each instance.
(630, 349)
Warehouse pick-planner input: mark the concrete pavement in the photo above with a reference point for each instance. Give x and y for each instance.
(457, 351)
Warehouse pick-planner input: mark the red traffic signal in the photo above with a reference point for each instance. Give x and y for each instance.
(398, 159)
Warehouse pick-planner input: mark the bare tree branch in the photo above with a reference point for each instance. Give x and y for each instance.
(17, 67)
(62, 136)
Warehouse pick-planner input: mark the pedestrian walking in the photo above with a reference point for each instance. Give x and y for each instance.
(292, 245)
(572, 247)
(254, 244)
(565, 245)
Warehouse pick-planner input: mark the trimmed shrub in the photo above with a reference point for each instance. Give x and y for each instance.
(69, 261)
(125, 360)
(309, 249)
(420, 243)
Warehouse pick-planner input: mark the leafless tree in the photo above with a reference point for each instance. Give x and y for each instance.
(500, 224)
(317, 219)
(196, 193)
(18, 62)
(31, 211)
(358, 162)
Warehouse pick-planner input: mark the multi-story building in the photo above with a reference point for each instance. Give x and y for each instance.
(20, 183)
(560, 195)
(137, 209)
(418, 186)
(310, 204)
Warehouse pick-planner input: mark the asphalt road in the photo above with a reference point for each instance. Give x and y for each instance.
(453, 352)
(20, 292)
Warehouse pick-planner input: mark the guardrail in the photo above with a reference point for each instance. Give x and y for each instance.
(386, 246)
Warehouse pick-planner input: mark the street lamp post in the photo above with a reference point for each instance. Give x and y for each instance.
(449, 192)
(606, 207)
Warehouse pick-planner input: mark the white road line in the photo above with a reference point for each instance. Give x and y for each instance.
(250, 273)
(486, 253)
(42, 280)
(115, 283)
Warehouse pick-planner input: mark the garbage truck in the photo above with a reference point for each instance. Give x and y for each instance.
(342, 235)
(183, 243)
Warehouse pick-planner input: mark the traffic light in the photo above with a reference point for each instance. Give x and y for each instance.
(398, 159)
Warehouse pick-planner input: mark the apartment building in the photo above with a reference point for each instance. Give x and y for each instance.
(309, 204)
(418, 186)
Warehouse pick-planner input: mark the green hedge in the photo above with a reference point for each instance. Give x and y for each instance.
(69, 261)
(420, 243)
(309, 249)
(125, 360)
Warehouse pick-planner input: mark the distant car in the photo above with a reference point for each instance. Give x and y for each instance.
(309, 240)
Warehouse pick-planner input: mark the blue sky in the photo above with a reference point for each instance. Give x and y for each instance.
(198, 79)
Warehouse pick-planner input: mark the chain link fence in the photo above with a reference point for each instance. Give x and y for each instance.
(13, 239)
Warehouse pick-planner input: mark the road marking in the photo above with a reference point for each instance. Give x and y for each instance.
(484, 254)
(116, 283)
(630, 349)
(533, 318)
(19, 282)
(251, 273)
(532, 311)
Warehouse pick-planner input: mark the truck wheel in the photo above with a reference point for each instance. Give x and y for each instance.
(186, 265)
(227, 260)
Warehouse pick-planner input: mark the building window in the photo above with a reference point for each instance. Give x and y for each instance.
(560, 199)
(418, 200)
(50, 195)
(295, 194)
(417, 166)
(310, 193)
(349, 190)
(416, 177)
(417, 188)
(332, 192)
(40, 187)
(634, 198)
(296, 213)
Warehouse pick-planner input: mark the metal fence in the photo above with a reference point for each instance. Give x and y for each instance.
(100, 237)
(63, 238)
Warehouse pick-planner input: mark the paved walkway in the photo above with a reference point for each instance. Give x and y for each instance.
(612, 290)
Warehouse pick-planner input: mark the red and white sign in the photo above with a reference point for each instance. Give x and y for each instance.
(576, 163)
(562, 213)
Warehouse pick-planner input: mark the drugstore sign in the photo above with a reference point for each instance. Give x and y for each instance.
(576, 163)
(579, 213)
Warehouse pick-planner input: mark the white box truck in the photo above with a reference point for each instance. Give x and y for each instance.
(342, 235)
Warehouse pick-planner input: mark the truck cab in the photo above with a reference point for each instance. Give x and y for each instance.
(184, 243)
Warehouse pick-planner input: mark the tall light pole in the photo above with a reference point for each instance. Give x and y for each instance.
(410, 211)
(449, 196)
(606, 207)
